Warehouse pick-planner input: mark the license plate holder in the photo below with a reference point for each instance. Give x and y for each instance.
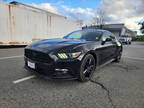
(31, 64)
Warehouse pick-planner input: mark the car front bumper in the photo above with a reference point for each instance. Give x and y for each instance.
(68, 69)
(124, 41)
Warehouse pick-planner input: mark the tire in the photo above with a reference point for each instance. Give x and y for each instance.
(87, 68)
(130, 43)
(118, 57)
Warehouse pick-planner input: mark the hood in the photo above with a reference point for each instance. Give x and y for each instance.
(54, 44)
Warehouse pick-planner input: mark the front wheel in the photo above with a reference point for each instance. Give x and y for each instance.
(130, 43)
(87, 68)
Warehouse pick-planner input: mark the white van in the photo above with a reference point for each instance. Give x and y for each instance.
(125, 39)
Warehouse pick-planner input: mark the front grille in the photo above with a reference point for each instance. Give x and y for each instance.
(122, 39)
(37, 56)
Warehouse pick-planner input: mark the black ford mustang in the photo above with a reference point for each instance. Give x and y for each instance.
(76, 56)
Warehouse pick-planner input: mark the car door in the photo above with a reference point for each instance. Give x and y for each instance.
(108, 47)
(114, 45)
(103, 50)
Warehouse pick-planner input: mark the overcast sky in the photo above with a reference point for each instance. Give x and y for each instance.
(129, 12)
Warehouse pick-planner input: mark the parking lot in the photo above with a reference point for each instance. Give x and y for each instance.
(116, 85)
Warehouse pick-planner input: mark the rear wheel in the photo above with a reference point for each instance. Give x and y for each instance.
(87, 68)
(118, 58)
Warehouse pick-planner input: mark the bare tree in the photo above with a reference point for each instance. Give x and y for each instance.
(99, 17)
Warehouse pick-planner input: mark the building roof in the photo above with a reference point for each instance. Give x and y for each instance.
(110, 27)
(32, 7)
(114, 24)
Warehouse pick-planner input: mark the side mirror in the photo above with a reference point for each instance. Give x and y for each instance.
(103, 40)
(108, 39)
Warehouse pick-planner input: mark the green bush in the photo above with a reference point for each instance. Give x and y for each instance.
(140, 38)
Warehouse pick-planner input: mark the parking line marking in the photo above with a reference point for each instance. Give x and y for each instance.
(24, 79)
(3, 58)
(135, 58)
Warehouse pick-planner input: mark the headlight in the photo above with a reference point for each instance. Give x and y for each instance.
(76, 54)
(66, 56)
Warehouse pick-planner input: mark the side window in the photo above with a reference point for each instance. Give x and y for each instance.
(106, 35)
(112, 36)
(109, 36)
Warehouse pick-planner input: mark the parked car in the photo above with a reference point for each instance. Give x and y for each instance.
(125, 39)
(76, 56)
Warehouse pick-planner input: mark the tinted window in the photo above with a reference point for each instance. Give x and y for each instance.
(124, 36)
(109, 35)
(106, 35)
(89, 35)
(112, 36)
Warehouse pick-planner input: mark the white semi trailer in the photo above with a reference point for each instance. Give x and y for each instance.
(20, 24)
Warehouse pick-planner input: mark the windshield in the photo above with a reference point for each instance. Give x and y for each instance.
(123, 36)
(88, 35)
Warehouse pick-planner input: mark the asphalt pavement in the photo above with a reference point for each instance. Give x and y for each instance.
(116, 85)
